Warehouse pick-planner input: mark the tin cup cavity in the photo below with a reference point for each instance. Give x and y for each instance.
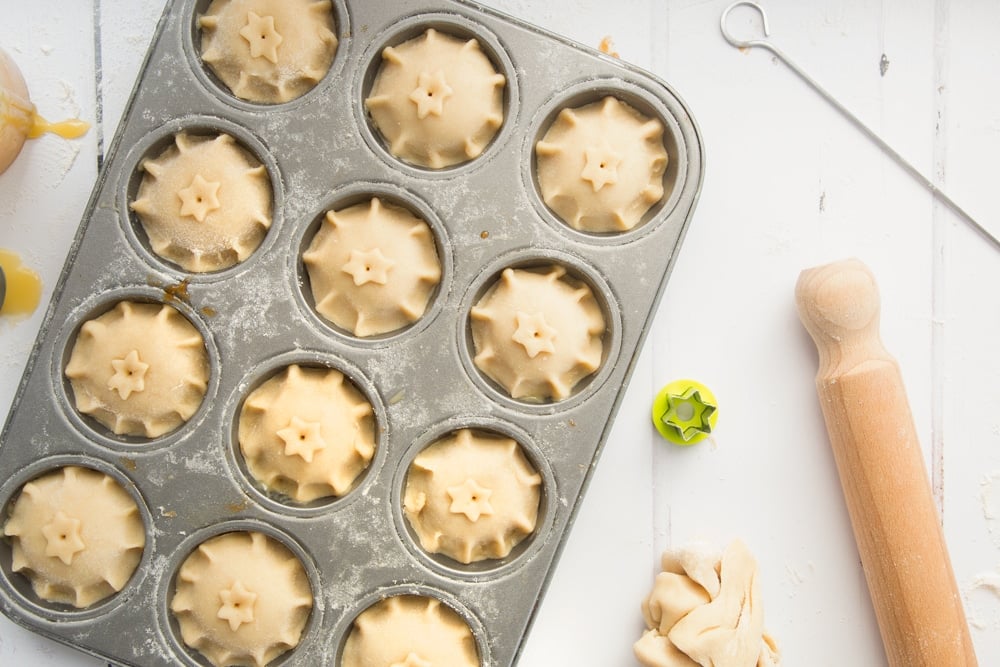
(490, 568)
(455, 25)
(279, 503)
(576, 270)
(191, 39)
(167, 584)
(643, 101)
(161, 139)
(20, 586)
(346, 625)
(359, 193)
(66, 339)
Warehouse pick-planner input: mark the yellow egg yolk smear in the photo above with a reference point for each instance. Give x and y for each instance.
(24, 286)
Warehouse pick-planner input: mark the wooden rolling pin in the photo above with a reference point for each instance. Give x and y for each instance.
(882, 471)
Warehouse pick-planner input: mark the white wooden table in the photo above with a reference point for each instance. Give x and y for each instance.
(789, 184)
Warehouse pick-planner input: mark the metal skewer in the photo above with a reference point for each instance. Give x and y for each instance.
(900, 160)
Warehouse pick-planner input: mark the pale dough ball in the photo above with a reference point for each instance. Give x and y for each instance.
(15, 112)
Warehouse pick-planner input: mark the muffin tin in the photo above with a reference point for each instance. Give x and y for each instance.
(321, 152)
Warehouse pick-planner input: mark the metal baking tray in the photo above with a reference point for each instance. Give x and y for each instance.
(321, 151)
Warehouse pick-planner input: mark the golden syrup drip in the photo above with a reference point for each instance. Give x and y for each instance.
(607, 47)
(67, 129)
(177, 292)
(24, 286)
(22, 114)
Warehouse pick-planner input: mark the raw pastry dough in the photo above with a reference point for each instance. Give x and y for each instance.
(268, 51)
(307, 433)
(76, 534)
(204, 202)
(410, 631)
(600, 166)
(139, 369)
(241, 599)
(372, 267)
(472, 497)
(538, 333)
(706, 611)
(437, 100)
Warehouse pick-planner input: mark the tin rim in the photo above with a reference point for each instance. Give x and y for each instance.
(167, 625)
(646, 102)
(90, 428)
(191, 47)
(349, 195)
(525, 550)
(159, 140)
(18, 587)
(577, 269)
(365, 602)
(455, 24)
(278, 503)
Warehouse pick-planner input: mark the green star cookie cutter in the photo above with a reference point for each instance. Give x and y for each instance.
(685, 412)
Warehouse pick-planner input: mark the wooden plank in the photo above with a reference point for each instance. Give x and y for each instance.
(42, 197)
(969, 315)
(609, 555)
(790, 184)
(126, 29)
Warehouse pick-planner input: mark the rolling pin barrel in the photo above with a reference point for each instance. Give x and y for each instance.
(882, 471)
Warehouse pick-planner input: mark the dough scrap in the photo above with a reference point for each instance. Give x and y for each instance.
(269, 51)
(600, 166)
(76, 534)
(472, 497)
(437, 100)
(139, 369)
(241, 598)
(307, 433)
(410, 631)
(706, 611)
(373, 268)
(538, 333)
(204, 202)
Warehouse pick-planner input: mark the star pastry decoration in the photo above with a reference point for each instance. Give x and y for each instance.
(534, 334)
(688, 414)
(471, 500)
(237, 605)
(369, 266)
(431, 92)
(263, 38)
(62, 536)
(412, 660)
(302, 439)
(601, 167)
(200, 198)
(129, 376)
